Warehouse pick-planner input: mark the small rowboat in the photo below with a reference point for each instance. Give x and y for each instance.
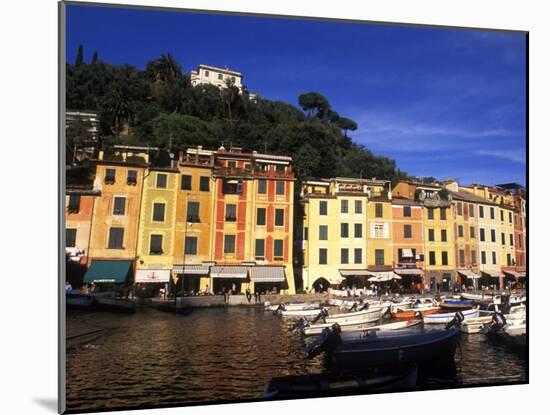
(299, 313)
(412, 313)
(375, 313)
(291, 306)
(456, 304)
(474, 325)
(362, 334)
(443, 318)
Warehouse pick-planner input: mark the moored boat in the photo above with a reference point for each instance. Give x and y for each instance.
(443, 318)
(291, 306)
(474, 325)
(114, 304)
(352, 336)
(78, 300)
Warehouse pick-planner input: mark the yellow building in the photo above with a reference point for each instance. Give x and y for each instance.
(194, 219)
(380, 234)
(113, 237)
(155, 249)
(335, 231)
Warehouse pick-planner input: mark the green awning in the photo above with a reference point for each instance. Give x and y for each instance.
(108, 271)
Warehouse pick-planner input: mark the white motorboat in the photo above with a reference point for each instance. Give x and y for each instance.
(299, 313)
(358, 335)
(291, 306)
(348, 322)
(373, 313)
(474, 325)
(443, 318)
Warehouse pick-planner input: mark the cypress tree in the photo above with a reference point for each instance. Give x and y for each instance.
(79, 56)
(94, 58)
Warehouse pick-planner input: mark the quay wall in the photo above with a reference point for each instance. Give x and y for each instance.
(234, 300)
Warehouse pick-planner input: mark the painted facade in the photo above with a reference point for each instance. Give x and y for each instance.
(79, 207)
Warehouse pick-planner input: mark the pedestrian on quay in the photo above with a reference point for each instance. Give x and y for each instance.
(258, 296)
(248, 295)
(207, 290)
(68, 287)
(233, 289)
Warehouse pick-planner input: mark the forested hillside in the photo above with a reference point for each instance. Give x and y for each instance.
(158, 106)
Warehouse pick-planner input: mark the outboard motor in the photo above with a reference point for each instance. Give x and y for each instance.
(497, 323)
(280, 308)
(322, 314)
(364, 307)
(352, 308)
(455, 322)
(327, 341)
(298, 325)
(505, 308)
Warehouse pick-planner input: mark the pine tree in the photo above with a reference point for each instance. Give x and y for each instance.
(94, 58)
(79, 56)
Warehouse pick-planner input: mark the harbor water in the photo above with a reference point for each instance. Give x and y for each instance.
(154, 358)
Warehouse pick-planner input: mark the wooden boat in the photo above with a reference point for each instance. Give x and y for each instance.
(443, 318)
(78, 300)
(451, 304)
(387, 348)
(114, 304)
(474, 325)
(308, 386)
(350, 336)
(413, 313)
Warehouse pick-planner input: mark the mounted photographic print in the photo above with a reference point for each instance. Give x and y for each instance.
(257, 208)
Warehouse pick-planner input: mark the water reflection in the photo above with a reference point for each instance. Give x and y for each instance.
(156, 358)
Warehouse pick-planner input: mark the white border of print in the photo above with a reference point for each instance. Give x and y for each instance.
(29, 266)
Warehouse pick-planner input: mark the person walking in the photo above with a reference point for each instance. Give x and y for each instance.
(248, 295)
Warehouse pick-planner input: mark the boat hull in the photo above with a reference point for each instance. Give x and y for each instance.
(444, 318)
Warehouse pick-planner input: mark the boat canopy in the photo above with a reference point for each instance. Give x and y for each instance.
(202, 269)
(152, 275)
(268, 274)
(468, 274)
(229, 271)
(108, 271)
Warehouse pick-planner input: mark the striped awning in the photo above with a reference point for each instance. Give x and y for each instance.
(268, 274)
(468, 274)
(514, 274)
(201, 269)
(492, 274)
(408, 271)
(229, 271)
(522, 274)
(354, 272)
(383, 276)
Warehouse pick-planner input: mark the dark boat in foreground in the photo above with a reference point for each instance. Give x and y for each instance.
(378, 349)
(307, 386)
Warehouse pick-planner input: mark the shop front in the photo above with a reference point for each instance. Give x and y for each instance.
(195, 278)
(227, 278)
(355, 277)
(151, 282)
(490, 280)
(268, 279)
(412, 279)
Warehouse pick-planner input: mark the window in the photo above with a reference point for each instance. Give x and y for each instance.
(158, 212)
(322, 256)
(481, 214)
(493, 235)
(119, 205)
(190, 245)
(520, 243)
(430, 213)
(482, 235)
(74, 204)
(206, 74)
(444, 258)
(432, 257)
(155, 247)
(344, 256)
(358, 256)
(70, 237)
(407, 211)
(185, 182)
(501, 215)
(358, 230)
(508, 259)
(379, 257)
(407, 231)
(229, 244)
(193, 209)
(510, 217)
(460, 231)
(494, 257)
(231, 164)
(322, 208)
(132, 177)
(305, 234)
(280, 187)
(220, 76)
(161, 181)
(232, 187)
(379, 230)
(279, 217)
(520, 260)
(459, 208)
(262, 187)
(110, 176)
(278, 249)
(472, 232)
(471, 209)
(483, 257)
(323, 232)
(344, 230)
(204, 184)
(443, 235)
(492, 212)
(503, 238)
(344, 208)
(260, 217)
(474, 257)
(116, 236)
(280, 168)
(462, 256)
(511, 240)
(358, 207)
(379, 210)
(233, 79)
(260, 248)
(443, 213)
(431, 235)
(230, 213)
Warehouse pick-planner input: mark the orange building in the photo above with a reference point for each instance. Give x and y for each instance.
(408, 242)
(253, 216)
(114, 232)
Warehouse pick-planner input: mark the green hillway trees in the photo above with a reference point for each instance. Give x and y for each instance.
(158, 106)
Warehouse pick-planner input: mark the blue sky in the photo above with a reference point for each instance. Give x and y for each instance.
(441, 102)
